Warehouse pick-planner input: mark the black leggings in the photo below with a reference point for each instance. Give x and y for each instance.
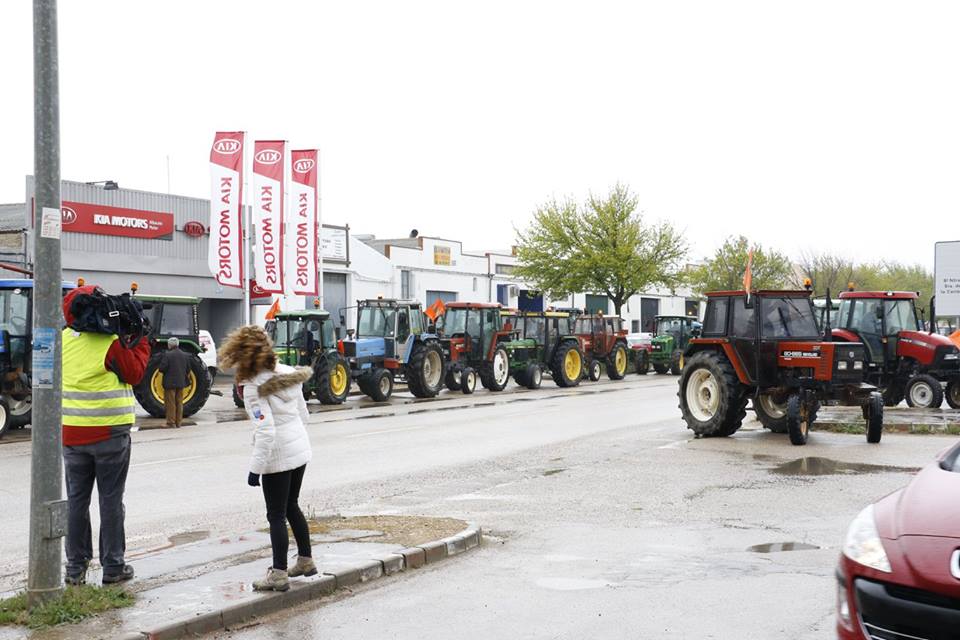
(280, 491)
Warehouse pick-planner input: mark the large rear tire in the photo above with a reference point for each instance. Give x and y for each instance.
(332, 379)
(924, 392)
(566, 366)
(772, 414)
(712, 399)
(617, 362)
(874, 418)
(425, 370)
(953, 393)
(676, 363)
(5, 421)
(495, 374)
(149, 392)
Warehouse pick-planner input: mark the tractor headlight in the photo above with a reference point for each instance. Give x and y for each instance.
(863, 544)
(842, 365)
(858, 365)
(951, 356)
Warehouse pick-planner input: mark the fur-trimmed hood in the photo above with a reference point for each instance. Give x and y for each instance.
(285, 380)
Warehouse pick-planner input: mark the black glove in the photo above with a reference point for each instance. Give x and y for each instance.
(253, 479)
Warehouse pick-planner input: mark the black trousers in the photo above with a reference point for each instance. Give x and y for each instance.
(281, 491)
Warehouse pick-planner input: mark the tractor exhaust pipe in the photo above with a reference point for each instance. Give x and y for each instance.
(827, 329)
(933, 314)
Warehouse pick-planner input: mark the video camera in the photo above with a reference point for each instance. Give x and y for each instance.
(120, 315)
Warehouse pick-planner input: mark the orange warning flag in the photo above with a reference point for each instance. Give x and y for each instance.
(435, 310)
(748, 274)
(274, 310)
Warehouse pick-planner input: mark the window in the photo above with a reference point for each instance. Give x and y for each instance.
(403, 324)
(416, 321)
(534, 328)
(787, 318)
(177, 320)
(744, 320)
(376, 322)
(505, 269)
(405, 285)
(474, 284)
(635, 326)
(864, 318)
(900, 316)
(692, 308)
(715, 323)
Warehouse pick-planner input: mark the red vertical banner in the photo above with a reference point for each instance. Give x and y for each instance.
(268, 212)
(303, 225)
(225, 254)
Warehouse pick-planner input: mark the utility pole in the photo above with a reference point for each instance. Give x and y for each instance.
(47, 509)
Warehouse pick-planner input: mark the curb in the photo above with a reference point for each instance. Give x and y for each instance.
(315, 588)
(920, 428)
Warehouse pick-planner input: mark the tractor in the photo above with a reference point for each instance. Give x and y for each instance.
(765, 346)
(16, 352)
(544, 342)
(391, 341)
(904, 360)
(603, 341)
(306, 338)
(172, 317)
(474, 340)
(673, 334)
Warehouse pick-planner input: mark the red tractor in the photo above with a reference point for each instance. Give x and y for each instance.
(603, 340)
(473, 336)
(904, 360)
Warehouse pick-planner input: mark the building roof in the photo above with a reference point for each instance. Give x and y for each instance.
(13, 217)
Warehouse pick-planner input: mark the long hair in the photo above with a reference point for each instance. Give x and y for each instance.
(249, 351)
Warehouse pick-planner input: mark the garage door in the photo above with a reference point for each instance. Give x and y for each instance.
(334, 295)
(446, 296)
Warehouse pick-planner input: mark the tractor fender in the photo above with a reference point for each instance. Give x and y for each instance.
(718, 345)
(845, 335)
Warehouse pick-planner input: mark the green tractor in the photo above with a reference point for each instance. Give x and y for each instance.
(307, 338)
(544, 342)
(671, 337)
(173, 317)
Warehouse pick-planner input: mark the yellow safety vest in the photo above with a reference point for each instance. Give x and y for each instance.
(92, 395)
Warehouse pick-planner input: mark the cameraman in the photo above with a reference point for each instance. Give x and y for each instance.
(98, 411)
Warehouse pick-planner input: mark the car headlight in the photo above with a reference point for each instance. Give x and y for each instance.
(842, 365)
(863, 544)
(858, 365)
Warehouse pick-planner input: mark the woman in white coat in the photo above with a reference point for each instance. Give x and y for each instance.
(274, 401)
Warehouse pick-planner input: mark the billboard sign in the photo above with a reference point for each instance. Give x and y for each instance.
(82, 217)
(946, 280)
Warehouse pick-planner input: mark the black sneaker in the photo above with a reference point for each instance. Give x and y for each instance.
(113, 578)
(76, 579)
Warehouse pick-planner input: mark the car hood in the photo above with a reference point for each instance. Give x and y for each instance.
(928, 506)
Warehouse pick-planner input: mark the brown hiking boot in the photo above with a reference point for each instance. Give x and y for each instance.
(304, 567)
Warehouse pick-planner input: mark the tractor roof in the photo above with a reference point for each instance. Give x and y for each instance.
(763, 293)
(302, 313)
(170, 299)
(474, 305)
(389, 302)
(892, 295)
(544, 314)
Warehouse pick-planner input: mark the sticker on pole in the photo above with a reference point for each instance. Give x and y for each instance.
(947, 278)
(51, 223)
(44, 343)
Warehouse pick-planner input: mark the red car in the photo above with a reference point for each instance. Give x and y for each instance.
(899, 574)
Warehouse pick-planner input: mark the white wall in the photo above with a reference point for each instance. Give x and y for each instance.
(466, 275)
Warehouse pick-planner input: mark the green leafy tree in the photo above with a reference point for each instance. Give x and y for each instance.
(893, 276)
(603, 246)
(826, 271)
(724, 271)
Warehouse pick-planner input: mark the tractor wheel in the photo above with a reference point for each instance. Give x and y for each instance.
(332, 379)
(468, 380)
(594, 369)
(924, 392)
(800, 416)
(5, 421)
(893, 394)
(238, 396)
(772, 414)
(953, 393)
(712, 399)
(660, 368)
(425, 371)
(379, 385)
(495, 374)
(617, 362)
(452, 379)
(676, 363)
(533, 376)
(642, 363)
(21, 412)
(566, 367)
(874, 418)
(149, 392)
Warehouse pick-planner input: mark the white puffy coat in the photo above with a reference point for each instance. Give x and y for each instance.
(274, 401)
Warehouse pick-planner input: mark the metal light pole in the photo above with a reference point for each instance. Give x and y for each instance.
(47, 509)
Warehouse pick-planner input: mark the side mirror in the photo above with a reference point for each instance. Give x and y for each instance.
(350, 333)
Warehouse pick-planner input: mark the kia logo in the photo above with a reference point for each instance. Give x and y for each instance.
(268, 156)
(68, 215)
(303, 166)
(226, 146)
(194, 229)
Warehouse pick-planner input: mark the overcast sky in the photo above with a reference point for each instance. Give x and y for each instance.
(815, 125)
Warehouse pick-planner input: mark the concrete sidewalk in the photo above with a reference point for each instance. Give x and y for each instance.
(195, 588)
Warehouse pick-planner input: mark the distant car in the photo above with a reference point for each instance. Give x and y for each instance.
(639, 339)
(899, 573)
(209, 353)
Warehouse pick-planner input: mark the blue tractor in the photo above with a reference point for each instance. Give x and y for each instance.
(16, 352)
(392, 342)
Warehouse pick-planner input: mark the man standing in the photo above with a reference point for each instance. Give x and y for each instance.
(175, 367)
(98, 411)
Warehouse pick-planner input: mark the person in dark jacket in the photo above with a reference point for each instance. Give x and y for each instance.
(175, 367)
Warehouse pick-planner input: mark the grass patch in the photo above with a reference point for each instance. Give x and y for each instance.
(76, 604)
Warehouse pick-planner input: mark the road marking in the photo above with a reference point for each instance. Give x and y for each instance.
(146, 464)
(376, 433)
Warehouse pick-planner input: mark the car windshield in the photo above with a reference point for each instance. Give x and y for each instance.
(787, 318)
(376, 321)
(669, 326)
(454, 321)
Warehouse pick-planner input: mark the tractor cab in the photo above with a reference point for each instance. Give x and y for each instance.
(826, 314)
(603, 340)
(473, 342)
(546, 328)
(173, 317)
(386, 329)
(299, 335)
(671, 336)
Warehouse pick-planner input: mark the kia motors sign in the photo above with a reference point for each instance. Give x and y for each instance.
(225, 253)
(268, 213)
(82, 217)
(946, 277)
(303, 224)
(194, 229)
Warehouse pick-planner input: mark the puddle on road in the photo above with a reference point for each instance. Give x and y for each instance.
(188, 537)
(775, 547)
(552, 472)
(826, 467)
